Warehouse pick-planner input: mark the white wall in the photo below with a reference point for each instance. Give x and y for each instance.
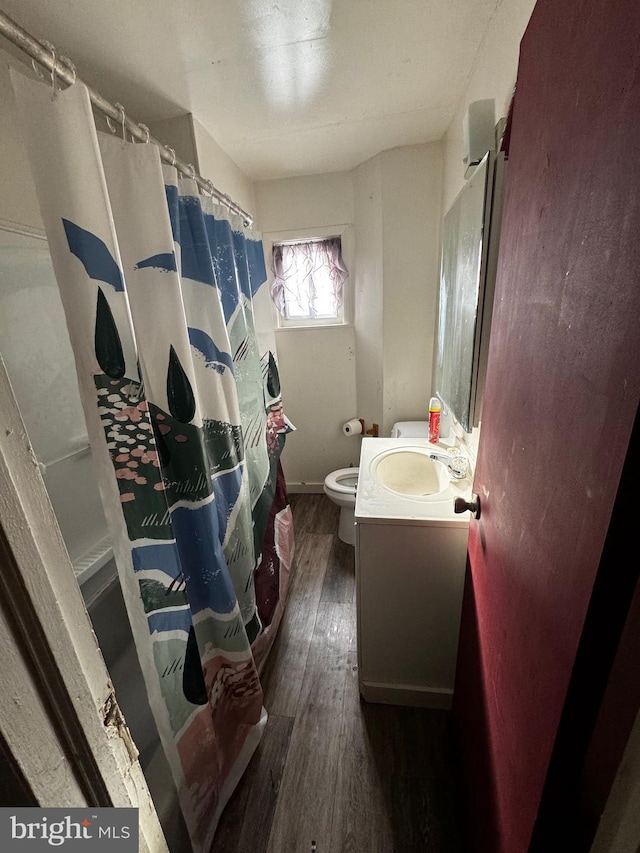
(178, 133)
(220, 168)
(411, 201)
(493, 76)
(397, 227)
(317, 365)
(317, 369)
(368, 292)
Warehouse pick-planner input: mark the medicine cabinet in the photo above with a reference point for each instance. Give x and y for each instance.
(470, 240)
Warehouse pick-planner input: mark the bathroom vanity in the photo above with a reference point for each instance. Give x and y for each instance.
(410, 564)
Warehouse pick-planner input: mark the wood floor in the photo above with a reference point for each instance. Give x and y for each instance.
(334, 774)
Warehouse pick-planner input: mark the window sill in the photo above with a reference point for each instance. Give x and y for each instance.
(313, 326)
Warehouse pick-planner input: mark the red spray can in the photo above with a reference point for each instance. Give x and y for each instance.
(434, 420)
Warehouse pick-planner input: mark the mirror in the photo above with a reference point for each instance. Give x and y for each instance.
(470, 235)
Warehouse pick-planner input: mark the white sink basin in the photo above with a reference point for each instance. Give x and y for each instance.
(411, 472)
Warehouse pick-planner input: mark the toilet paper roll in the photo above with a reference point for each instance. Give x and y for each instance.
(352, 427)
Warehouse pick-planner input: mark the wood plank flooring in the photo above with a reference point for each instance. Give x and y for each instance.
(331, 770)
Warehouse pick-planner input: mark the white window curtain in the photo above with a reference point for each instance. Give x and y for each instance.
(309, 278)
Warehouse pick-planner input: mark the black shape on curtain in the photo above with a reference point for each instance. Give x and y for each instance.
(193, 684)
(107, 340)
(253, 627)
(182, 403)
(163, 448)
(273, 377)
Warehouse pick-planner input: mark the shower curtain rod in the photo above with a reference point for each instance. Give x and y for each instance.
(63, 68)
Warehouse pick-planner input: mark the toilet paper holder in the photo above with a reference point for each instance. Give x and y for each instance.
(372, 431)
(356, 426)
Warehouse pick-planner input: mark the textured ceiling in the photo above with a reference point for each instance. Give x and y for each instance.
(286, 88)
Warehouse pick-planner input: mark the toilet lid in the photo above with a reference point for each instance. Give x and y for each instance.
(344, 480)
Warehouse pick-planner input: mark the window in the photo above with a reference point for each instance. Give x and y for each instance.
(308, 282)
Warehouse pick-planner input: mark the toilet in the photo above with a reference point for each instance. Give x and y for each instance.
(410, 429)
(340, 486)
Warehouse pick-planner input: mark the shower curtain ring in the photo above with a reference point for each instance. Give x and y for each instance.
(54, 72)
(173, 155)
(123, 121)
(72, 68)
(37, 69)
(210, 187)
(146, 131)
(192, 170)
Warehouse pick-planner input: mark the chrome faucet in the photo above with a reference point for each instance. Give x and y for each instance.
(456, 462)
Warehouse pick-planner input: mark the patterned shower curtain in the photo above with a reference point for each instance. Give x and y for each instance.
(185, 421)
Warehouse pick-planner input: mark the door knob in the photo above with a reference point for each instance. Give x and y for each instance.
(460, 505)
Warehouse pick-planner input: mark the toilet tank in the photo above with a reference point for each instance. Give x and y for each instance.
(410, 429)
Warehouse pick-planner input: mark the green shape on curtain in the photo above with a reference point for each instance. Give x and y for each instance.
(190, 455)
(156, 596)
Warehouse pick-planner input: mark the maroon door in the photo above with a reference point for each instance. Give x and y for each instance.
(563, 385)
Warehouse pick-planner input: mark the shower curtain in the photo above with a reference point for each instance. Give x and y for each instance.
(186, 426)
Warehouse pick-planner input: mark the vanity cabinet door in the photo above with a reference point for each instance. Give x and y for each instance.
(409, 596)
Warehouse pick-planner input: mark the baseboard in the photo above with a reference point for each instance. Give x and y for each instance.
(305, 488)
(407, 694)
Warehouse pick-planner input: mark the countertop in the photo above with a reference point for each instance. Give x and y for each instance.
(376, 503)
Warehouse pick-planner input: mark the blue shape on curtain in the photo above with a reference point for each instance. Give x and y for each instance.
(170, 620)
(162, 558)
(203, 564)
(256, 265)
(195, 255)
(164, 261)
(94, 255)
(226, 488)
(187, 226)
(172, 203)
(215, 358)
(240, 252)
(221, 244)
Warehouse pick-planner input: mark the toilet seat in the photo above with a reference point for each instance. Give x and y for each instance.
(343, 481)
